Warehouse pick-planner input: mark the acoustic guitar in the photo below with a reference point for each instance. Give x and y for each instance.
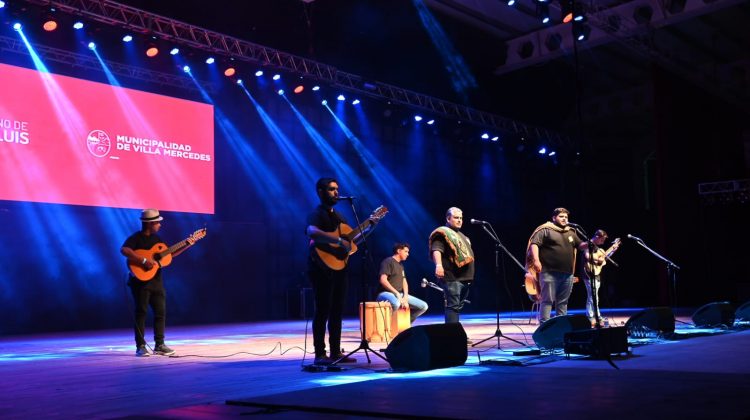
(598, 265)
(162, 255)
(335, 256)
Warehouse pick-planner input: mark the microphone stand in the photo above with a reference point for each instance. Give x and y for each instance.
(671, 270)
(498, 246)
(363, 344)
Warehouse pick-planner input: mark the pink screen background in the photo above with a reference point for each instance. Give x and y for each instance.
(45, 121)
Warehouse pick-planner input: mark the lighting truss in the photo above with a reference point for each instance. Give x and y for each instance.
(617, 24)
(115, 14)
(88, 62)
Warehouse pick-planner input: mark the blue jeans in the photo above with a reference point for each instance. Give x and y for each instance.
(416, 306)
(590, 299)
(455, 296)
(556, 287)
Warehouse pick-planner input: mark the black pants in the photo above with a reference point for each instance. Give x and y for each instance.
(145, 295)
(330, 295)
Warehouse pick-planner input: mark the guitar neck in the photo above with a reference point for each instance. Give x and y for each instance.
(174, 248)
(360, 231)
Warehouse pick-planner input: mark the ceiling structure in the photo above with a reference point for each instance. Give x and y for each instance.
(703, 41)
(524, 80)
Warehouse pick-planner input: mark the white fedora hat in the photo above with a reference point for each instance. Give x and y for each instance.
(151, 215)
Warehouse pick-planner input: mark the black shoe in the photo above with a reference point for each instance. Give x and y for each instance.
(322, 360)
(336, 357)
(142, 351)
(163, 350)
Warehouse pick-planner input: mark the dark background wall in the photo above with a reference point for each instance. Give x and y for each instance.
(628, 173)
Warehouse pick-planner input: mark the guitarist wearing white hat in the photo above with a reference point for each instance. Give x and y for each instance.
(146, 254)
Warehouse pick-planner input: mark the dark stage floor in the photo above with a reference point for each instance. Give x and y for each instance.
(254, 369)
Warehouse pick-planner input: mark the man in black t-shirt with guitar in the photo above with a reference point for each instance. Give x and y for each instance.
(332, 241)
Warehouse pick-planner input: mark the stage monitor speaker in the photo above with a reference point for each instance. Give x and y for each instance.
(551, 334)
(650, 322)
(714, 314)
(742, 313)
(428, 347)
(599, 343)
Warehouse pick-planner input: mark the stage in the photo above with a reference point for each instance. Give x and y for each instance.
(256, 368)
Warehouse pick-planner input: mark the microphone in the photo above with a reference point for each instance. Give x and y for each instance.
(635, 238)
(426, 283)
(478, 222)
(347, 197)
(575, 225)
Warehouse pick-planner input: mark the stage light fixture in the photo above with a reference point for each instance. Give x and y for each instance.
(553, 41)
(542, 10)
(566, 11)
(496, 138)
(50, 24)
(417, 118)
(78, 25)
(355, 102)
(552, 153)
(316, 88)
(239, 81)
(430, 122)
(186, 69)
(259, 73)
(230, 71)
(92, 46)
(174, 51)
(542, 151)
(324, 102)
(341, 98)
(280, 92)
(581, 32)
(510, 2)
(17, 26)
(525, 50)
(299, 89)
(276, 77)
(127, 38)
(152, 51)
(210, 60)
(2, 4)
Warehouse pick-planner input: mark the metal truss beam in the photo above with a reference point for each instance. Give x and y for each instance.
(87, 62)
(112, 13)
(619, 24)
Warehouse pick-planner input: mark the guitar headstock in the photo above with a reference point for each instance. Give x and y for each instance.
(616, 243)
(378, 213)
(198, 234)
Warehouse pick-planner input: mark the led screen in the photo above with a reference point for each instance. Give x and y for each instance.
(72, 141)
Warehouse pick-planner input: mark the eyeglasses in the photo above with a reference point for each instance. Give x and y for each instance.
(333, 188)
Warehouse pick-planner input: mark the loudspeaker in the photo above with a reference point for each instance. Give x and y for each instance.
(599, 343)
(651, 322)
(428, 347)
(742, 313)
(714, 314)
(551, 334)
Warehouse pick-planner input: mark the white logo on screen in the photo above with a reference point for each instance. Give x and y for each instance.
(98, 143)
